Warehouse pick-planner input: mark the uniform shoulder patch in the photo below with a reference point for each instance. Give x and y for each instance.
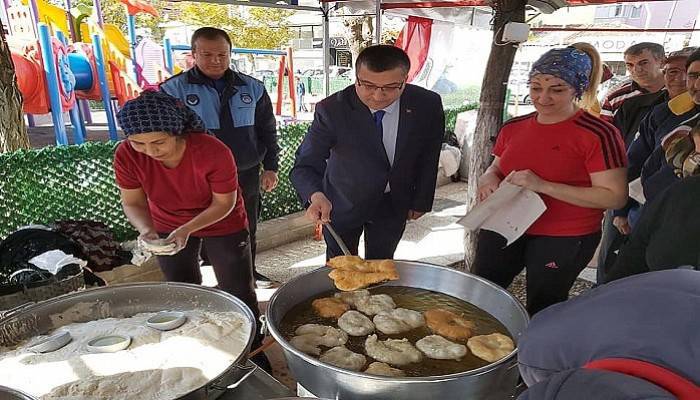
(192, 99)
(246, 98)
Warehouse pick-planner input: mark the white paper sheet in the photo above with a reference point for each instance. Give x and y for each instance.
(509, 211)
(54, 260)
(637, 191)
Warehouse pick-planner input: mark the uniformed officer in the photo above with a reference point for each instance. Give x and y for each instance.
(237, 109)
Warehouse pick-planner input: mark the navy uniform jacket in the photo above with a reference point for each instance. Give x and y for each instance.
(240, 115)
(343, 156)
(652, 317)
(655, 125)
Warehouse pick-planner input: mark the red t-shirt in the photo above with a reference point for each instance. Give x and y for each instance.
(565, 152)
(176, 195)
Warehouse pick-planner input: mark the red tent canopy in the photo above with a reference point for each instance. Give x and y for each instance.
(543, 5)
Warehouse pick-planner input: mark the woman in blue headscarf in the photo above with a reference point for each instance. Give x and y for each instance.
(179, 183)
(574, 161)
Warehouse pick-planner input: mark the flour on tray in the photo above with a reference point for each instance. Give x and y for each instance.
(157, 365)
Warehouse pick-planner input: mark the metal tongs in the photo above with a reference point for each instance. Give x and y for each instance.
(338, 239)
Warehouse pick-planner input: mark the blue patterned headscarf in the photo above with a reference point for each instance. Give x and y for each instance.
(155, 111)
(569, 64)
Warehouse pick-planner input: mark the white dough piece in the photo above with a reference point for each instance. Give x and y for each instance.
(439, 348)
(375, 304)
(392, 351)
(383, 369)
(310, 336)
(351, 298)
(355, 323)
(398, 320)
(342, 357)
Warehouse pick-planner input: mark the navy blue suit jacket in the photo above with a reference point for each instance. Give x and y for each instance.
(343, 156)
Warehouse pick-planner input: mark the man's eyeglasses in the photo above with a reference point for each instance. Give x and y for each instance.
(385, 89)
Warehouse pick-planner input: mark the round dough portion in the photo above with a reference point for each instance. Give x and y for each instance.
(355, 323)
(375, 304)
(439, 348)
(392, 351)
(310, 336)
(398, 320)
(448, 324)
(491, 347)
(330, 307)
(351, 298)
(342, 357)
(384, 369)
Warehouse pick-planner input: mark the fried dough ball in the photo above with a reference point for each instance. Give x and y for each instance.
(352, 272)
(353, 297)
(439, 348)
(310, 336)
(330, 307)
(392, 351)
(383, 369)
(355, 323)
(491, 347)
(448, 324)
(398, 320)
(342, 357)
(375, 304)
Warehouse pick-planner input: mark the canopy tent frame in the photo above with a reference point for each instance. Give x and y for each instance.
(493, 93)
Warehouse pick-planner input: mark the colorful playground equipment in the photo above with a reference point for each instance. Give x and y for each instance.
(286, 69)
(55, 74)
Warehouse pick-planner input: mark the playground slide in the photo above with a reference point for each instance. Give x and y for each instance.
(112, 34)
(55, 17)
(115, 36)
(51, 15)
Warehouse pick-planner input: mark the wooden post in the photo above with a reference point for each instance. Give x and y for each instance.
(290, 82)
(491, 104)
(280, 85)
(13, 132)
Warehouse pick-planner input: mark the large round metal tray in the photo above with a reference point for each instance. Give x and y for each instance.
(126, 300)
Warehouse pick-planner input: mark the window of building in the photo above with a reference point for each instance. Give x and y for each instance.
(636, 12)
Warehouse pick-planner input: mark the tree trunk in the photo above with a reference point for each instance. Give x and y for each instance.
(13, 132)
(491, 105)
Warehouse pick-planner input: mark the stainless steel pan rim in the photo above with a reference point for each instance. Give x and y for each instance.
(231, 377)
(436, 378)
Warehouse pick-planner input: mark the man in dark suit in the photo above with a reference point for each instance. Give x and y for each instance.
(369, 160)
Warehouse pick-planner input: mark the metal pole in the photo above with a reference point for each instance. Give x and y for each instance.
(85, 106)
(378, 22)
(168, 56)
(69, 17)
(51, 73)
(34, 10)
(131, 24)
(98, 13)
(104, 87)
(670, 19)
(326, 50)
(75, 118)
